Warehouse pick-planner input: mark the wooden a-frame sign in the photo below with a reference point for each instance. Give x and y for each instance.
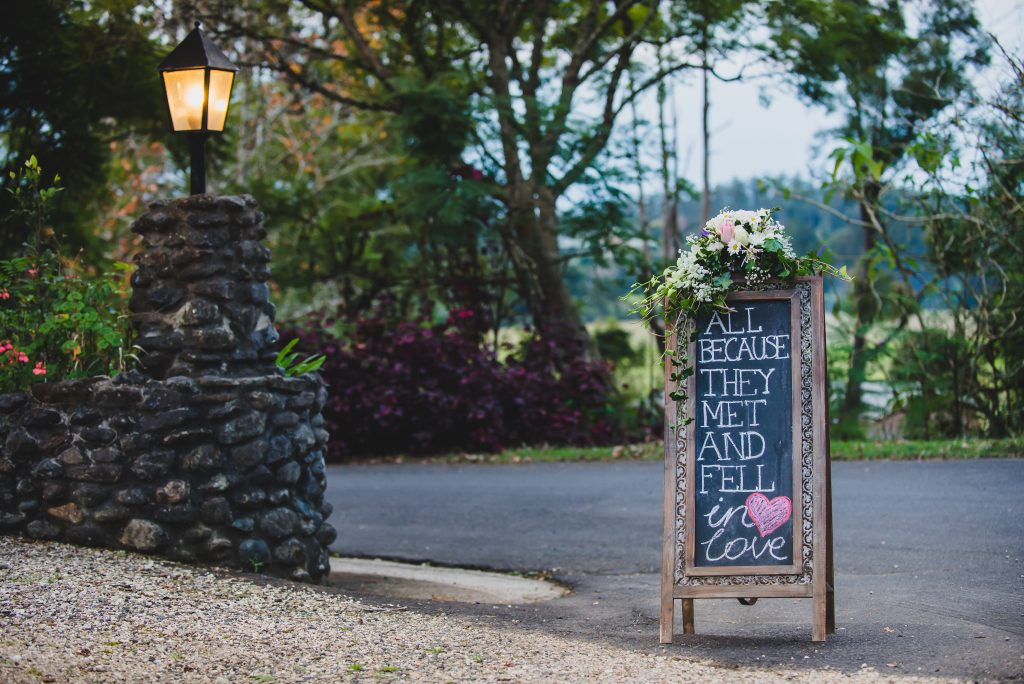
(748, 499)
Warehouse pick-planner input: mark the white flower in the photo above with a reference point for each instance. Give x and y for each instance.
(745, 216)
(714, 246)
(757, 239)
(735, 247)
(741, 235)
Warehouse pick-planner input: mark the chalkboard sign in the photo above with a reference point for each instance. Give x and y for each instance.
(743, 477)
(748, 510)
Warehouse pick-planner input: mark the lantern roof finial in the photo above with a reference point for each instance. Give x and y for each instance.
(196, 51)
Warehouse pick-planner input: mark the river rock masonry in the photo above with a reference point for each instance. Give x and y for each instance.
(207, 453)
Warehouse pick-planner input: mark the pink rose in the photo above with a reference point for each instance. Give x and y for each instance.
(725, 231)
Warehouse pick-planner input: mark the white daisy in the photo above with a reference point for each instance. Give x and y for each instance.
(735, 247)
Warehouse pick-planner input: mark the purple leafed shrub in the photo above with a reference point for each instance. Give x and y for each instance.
(424, 387)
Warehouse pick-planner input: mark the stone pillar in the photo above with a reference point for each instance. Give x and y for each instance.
(210, 453)
(200, 299)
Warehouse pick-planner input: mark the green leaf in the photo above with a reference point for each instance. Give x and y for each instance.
(284, 352)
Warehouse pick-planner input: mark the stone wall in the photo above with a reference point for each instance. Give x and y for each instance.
(208, 453)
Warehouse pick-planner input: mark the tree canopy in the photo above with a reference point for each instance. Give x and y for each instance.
(74, 77)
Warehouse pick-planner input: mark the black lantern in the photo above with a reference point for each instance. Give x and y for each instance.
(197, 81)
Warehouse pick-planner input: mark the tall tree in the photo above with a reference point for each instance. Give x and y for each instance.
(542, 84)
(888, 74)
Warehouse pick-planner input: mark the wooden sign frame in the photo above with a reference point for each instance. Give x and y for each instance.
(811, 575)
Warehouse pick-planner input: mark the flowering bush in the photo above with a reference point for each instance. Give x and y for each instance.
(54, 323)
(401, 386)
(746, 247)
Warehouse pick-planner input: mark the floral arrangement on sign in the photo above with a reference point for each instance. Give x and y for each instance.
(746, 248)
(749, 247)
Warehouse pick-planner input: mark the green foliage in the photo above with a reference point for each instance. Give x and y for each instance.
(288, 361)
(891, 69)
(930, 367)
(965, 375)
(613, 343)
(32, 199)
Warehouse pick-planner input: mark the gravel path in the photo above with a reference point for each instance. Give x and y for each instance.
(86, 615)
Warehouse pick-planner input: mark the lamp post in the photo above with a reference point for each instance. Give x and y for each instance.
(197, 81)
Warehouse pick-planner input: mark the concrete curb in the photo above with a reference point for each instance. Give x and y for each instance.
(426, 582)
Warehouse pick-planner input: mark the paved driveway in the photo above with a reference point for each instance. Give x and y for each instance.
(930, 577)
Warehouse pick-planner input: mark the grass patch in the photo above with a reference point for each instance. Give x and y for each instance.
(911, 450)
(650, 451)
(896, 450)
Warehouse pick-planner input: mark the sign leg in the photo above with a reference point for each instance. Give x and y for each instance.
(830, 611)
(818, 629)
(668, 616)
(668, 538)
(688, 616)
(830, 570)
(830, 566)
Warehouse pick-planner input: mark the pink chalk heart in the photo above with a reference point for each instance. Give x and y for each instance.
(768, 515)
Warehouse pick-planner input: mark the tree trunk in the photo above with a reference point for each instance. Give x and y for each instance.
(538, 267)
(670, 240)
(705, 195)
(866, 310)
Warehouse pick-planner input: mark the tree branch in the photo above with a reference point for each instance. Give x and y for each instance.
(342, 14)
(297, 74)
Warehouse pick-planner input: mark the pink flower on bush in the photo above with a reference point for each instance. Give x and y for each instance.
(13, 355)
(40, 369)
(4, 294)
(33, 272)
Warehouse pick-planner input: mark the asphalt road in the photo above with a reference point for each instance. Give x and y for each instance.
(930, 578)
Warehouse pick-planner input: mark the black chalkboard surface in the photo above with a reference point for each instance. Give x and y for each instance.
(744, 459)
